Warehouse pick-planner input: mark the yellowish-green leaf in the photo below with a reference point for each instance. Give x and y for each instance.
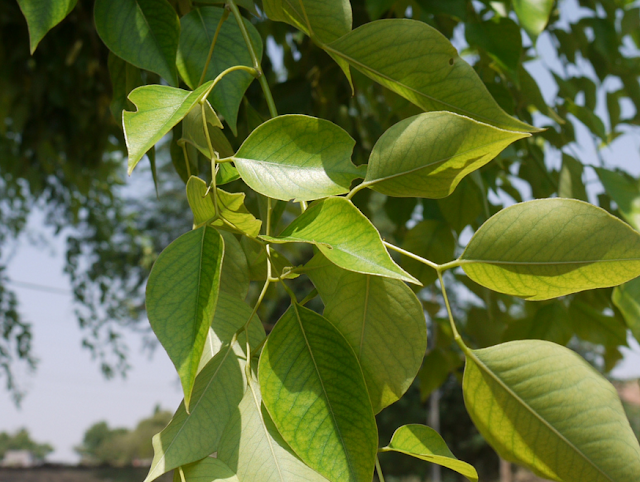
(313, 387)
(533, 15)
(552, 247)
(42, 16)
(625, 191)
(382, 320)
(420, 64)
(542, 406)
(425, 443)
(297, 157)
(234, 279)
(345, 236)
(570, 183)
(627, 298)
(208, 470)
(160, 107)
(182, 293)
(193, 128)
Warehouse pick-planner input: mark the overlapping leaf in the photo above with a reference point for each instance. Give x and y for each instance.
(145, 33)
(198, 29)
(345, 236)
(43, 16)
(310, 377)
(182, 293)
(627, 299)
(208, 470)
(234, 278)
(552, 247)
(383, 322)
(425, 443)
(419, 63)
(160, 107)
(541, 405)
(427, 155)
(625, 191)
(432, 240)
(297, 157)
(551, 322)
(193, 128)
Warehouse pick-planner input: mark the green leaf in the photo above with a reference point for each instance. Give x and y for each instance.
(463, 206)
(143, 32)
(345, 236)
(297, 157)
(432, 240)
(253, 448)
(231, 206)
(247, 4)
(159, 108)
(313, 387)
(627, 299)
(533, 15)
(181, 298)
(208, 470)
(625, 191)
(500, 37)
(124, 78)
(231, 315)
(551, 322)
(43, 16)
(193, 128)
(382, 320)
(427, 155)
(434, 372)
(234, 278)
(542, 406)
(552, 247)
(592, 325)
(570, 184)
(420, 64)
(589, 118)
(192, 436)
(198, 29)
(425, 443)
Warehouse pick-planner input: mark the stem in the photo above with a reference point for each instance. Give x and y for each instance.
(186, 159)
(213, 157)
(309, 297)
(431, 264)
(456, 335)
(256, 62)
(251, 70)
(303, 206)
(359, 187)
(225, 15)
(379, 469)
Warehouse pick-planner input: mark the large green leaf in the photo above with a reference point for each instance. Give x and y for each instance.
(234, 278)
(552, 247)
(533, 15)
(297, 157)
(193, 129)
(43, 16)
(432, 240)
(592, 325)
(198, 29)
(323, 20)
(252, 447)
(160, 107)
(419, 63)
(551, 322)
(145, 33)
(208, 470)
(425, 443)
(382, 320)
(231, 206)
(627, 299)
(427, 155)
(124, 78)
(181, 298)
(218, 390)
(345, 236)
(541, 405)
(625, 191)
(313, 387)
(501, 39)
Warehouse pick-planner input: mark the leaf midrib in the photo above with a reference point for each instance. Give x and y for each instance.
(544, 263)
(471, 354)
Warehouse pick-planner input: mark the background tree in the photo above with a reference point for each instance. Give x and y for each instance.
(21, 440)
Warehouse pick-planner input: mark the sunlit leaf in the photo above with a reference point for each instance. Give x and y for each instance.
(143, 32)
(311, 378)
(427, 155)
(425, 443)
(419, 63)
(198, 29)
(542, 406)
(43, 16)
(208, 470)
(345, 236)
(570, 182)
(182, 293)
(625, 191)
(193, 128)
(552, 247)
(159, 108)
(533, 15)
(627, 298)
(382, 320)
(297, 157)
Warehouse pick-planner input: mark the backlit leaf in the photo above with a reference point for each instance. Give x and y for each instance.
(427, 155)
(208, 470)
(627, 298)
(42, 16)
(193, 128)
(420, 64)
(570, 182)
(542, 406)
(383, 322)
(625, 191)
(425, 443)
(143, 32)
(345, 236)
(297, 157)
(310, 377)
(552, 247)
(533, 15)
(234, 278)
(182, 293)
